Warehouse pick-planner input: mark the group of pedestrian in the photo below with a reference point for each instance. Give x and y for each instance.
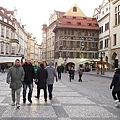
(72, 74)
(25, 75)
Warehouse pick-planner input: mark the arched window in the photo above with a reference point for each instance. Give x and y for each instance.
(74, 9)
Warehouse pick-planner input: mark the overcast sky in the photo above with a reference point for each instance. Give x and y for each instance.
(34, 13)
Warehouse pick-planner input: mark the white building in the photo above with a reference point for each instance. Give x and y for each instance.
(115, 30)
(102, 15)
(13, 38)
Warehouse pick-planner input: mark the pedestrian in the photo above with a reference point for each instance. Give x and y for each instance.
(42, 81)
(28, 80)
(80, 72)
(62, 68)
(115, 85)
(15, 77)
(97, 69)
(71, 73)
(59, 71)
(2, 68)
(35, 71)
(50, 80)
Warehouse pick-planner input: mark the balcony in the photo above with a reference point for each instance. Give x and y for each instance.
(14, 41)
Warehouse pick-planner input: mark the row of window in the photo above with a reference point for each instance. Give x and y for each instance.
(6, 33)
(79, 23)
(117, 15)
(106, 27)
(106, 42)
(105, 45)
(4, 48)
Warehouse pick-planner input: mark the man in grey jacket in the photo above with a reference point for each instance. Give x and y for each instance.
(50, 80)
(15, 77)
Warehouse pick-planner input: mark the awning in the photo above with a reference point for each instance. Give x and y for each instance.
(9, 59)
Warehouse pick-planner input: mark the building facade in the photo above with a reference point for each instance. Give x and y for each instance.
(43, 43)
(13, 38)
(50, 36)
(115, 32)
(102, 14)
(76, 37)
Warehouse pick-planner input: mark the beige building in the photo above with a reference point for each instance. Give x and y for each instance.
(33, 50)
(43, 43)
(76, 38)
(50, 36)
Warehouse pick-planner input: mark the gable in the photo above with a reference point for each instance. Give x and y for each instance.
(75, 11)
(104, 2)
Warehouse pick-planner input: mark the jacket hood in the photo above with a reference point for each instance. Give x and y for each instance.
(50, 64)
(118, 70)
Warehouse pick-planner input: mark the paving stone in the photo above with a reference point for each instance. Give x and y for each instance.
(60, 112)
(64, 118)
(16, 118)
(1, 98)
(66, 94)
(88, 112)
(74, 100)
(63, 89)
(4, 92)
(30, 111)
(2, 109)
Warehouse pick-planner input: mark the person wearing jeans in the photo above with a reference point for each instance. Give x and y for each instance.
(30, 86)
(50, 80)
(28, 80)
(50, 89)
(16, 73)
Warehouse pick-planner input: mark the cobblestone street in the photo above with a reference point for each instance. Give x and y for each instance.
(89, 100)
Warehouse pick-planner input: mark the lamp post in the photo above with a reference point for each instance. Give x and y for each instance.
(102, 54)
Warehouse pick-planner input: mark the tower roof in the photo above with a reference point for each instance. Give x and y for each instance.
(75, 11)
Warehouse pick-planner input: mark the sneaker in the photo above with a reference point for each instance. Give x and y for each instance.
(13, 104)
(18, 105)
(116, 103)
(45, 100)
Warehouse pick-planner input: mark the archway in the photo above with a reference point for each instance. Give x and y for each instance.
(115, 60)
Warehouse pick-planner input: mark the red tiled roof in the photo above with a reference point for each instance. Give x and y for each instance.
(59, 13)
(77, 22)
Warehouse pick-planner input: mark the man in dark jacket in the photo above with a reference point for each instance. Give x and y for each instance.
(42, 81)
(116, 87)
(59, 70)
(28, 80)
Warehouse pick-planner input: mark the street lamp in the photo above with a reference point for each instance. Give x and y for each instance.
(102, 54)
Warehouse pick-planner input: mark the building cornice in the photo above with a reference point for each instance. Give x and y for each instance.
(104, 17)
(7, 25)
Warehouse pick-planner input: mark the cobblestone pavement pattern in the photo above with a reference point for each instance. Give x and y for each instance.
(71, 101)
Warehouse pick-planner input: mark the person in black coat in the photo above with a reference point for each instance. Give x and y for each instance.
(71, 74)
(42, 76)
(28, 80)
(115, 84)
(59, 70)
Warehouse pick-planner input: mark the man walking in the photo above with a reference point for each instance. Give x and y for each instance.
(59, 70)
(42, 81)
(28, 80)
(15, 77)
(50, 79)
